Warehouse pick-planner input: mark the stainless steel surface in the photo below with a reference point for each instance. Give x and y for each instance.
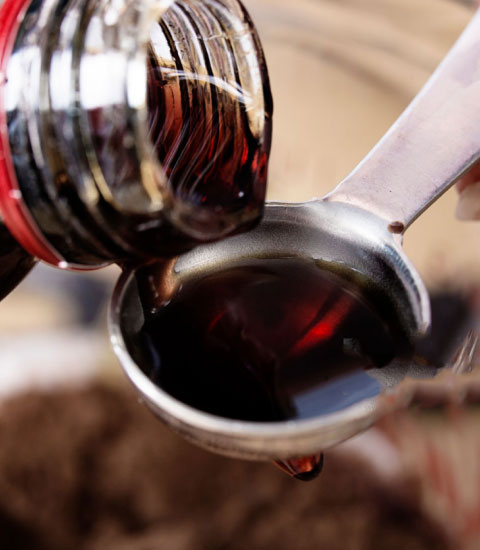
(352, 227)
(336, 233)
(432, 144)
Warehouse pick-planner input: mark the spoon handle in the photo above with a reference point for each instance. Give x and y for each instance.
(433, 143)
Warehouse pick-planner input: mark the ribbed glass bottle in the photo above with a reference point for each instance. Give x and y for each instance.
(130, 129)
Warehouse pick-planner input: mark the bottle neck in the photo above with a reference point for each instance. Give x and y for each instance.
(132, 131)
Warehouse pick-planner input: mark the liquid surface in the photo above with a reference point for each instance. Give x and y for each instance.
(267, 340)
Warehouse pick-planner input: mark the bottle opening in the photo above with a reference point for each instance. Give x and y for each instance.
(209, 114)
(131, 130)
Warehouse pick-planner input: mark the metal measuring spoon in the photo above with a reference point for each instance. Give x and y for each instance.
(359, 226)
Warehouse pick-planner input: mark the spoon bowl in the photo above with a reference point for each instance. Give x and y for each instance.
(360, 248)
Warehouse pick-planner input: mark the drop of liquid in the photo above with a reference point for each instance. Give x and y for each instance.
(303, 469)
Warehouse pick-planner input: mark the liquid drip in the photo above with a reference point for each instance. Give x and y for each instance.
(265, 341)
(303, 469)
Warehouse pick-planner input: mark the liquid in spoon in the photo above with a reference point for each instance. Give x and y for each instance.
(267, 340)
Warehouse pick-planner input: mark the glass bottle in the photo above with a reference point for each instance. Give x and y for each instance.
(130, 129)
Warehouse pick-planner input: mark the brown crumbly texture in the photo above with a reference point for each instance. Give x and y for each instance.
(93, 469)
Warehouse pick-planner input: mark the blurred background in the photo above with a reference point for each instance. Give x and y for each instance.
(83, 465)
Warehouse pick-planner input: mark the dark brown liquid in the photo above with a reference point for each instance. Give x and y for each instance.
(213, 161)
(276, 339)
(211, 128)
(266, 341)
(204, 128)
(304, 468)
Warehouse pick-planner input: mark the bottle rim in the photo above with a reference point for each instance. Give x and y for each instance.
(111, 43)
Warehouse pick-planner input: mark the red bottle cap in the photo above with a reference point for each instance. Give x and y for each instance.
(15, 214)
